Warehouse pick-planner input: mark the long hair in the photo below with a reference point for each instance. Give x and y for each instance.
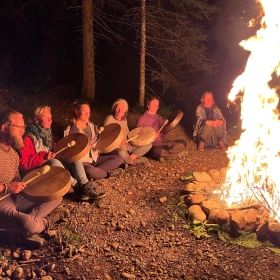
(203, 96)
(76, 107)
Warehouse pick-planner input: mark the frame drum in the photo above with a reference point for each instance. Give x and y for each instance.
(74, 153)
(48, 186)
(147, 136)
(110, 138)
(173, 120)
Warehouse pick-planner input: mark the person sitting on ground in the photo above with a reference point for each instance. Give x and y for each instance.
(38, 151)
(210, 127)
(131, 154)
(161, 150)
(96, 166)
(18, 215)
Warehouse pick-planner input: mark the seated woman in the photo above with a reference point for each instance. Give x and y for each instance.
(131, 154)
(210, 127)
(38, 150)
(96, 166)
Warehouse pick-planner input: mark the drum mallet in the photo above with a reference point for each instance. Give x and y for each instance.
(139, 134)
(101, 128)
(70, 144)
(165, 122)
(43, 170)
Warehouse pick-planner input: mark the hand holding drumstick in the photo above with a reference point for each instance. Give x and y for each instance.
(17, 187)
(51, 155)
(158, 132)
(138, 134)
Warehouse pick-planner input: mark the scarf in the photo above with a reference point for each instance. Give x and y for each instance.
(35, 131)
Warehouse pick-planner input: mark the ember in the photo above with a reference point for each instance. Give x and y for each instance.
(252, 174)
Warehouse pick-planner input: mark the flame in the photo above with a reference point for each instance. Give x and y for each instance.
(254, 159)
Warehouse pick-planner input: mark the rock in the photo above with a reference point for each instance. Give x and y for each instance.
(222, 217)
(202, 177)
(237, 220)
(128, 275)
(196, 199)
(212, 216)
(163, 199)
(252, 221)
(26, 255)
(215, 174)
(223, 173)
(262, 229)
(208, 205)
(115, 245)
(17, 273)
(274, 228)
(47, 277)
(196, 213)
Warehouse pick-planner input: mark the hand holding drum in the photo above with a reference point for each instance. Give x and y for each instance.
(43, 170)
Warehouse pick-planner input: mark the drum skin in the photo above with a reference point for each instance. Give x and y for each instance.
(74, 153)
(173, 120)
(110, 138)
(47, 187)
(147, 137)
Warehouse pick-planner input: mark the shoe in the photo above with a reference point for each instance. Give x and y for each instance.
(141, 160)
(115, 172)
(200, 147)
(58, 214)
(89, 192)
(161, 159)
(182, 155)
(33, 241)
(124, 166)
(222, 145)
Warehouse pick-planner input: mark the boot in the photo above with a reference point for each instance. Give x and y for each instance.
(88, 192)
(200, 146)
(141, 160)
(115, 172)
(222, 145)
(182, 155)
(33, 241)
(58, 214)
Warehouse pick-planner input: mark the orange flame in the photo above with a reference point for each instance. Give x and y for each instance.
(254, 159)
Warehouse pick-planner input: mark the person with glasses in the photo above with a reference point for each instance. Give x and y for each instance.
(38, 150)
(20, 217)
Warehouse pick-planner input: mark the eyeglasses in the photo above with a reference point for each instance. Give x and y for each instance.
(18, 126)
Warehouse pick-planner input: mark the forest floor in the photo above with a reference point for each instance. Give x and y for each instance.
(132, 233)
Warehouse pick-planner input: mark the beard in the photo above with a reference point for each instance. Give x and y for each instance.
(15, 141)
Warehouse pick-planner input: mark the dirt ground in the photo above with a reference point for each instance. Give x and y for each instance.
(131, 234)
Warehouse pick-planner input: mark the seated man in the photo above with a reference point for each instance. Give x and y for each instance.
(19, 215)
(37, 150)
(161, 150)
(210, 127)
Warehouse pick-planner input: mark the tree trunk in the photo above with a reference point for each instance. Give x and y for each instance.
(88, 50)
(142, 53)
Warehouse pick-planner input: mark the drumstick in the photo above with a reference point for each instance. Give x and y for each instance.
(70, 144)
(165, 122)
(43, 170)
(139, 134)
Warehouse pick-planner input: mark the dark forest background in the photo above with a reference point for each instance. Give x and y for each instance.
(38, 51)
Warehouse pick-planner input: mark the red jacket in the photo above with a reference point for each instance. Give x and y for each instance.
(29, 158)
